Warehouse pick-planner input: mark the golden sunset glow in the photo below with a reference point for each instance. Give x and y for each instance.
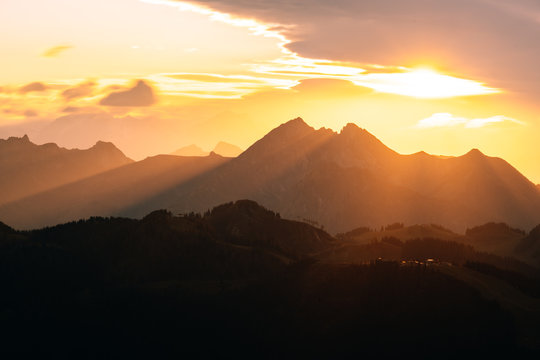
(424, 83)
(215, 178)
(216, 63)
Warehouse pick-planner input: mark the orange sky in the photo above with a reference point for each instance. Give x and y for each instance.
(439, 76)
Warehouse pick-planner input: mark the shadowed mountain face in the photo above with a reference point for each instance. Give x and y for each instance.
(234, 240)
(530, 246)
(109, 193)
(28, 168)
(343, 180)
(493, 238)
(340, 180)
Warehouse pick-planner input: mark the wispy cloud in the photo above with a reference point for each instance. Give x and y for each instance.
(449, 120)
(391, 79)
(80, 90)
(56, 51)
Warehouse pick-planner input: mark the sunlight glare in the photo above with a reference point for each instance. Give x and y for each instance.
(424, 83)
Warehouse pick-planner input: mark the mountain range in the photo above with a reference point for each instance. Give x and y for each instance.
(29, 169)
(340, 180)
(222, 148)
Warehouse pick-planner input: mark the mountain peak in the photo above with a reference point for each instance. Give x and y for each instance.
(215, 154)
(353, 130)
(104, 145)
(284, 135)
(190, 150)
(350, 127)
(109, 149)
(474, 153)
(297, 120)
(352, 134)
(22, 139)
(295, 125)
(228, 150)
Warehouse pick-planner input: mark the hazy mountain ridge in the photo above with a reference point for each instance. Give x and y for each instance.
(28, 168)
(340, 180)
(190, 150)
(346, 179)
(228, 150)
(222, 148)
(109, 193)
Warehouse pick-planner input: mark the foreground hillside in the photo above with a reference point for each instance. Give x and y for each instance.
(340, 180)
(494, 238)
(239, 280)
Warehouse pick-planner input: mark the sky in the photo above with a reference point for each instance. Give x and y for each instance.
(152, 76)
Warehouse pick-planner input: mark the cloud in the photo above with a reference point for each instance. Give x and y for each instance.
(139, 95)
(56, 51)
(449, 120)
(30, 113)
(471, 38)
(477, 123)
(215, 78)
(205, 85)
(70, 109)
(78, 91)
(35, 86)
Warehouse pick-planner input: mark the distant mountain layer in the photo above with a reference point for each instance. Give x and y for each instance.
(222, 148)
(108, 193)
(190, 150)
(338, 180)
(227, 150)
(28, 168)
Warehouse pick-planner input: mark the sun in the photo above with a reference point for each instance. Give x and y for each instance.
(424, 83)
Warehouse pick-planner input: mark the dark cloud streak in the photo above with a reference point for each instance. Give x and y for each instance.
(33, 87)
(139, 95)
(494, 41)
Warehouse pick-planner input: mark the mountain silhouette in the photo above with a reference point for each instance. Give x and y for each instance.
(169, 284)
(343, 180)
(340, 180)
(530, 246)
(221, 148)
(190, 150)
(108, 193)
(28, 168)
(228, 150)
